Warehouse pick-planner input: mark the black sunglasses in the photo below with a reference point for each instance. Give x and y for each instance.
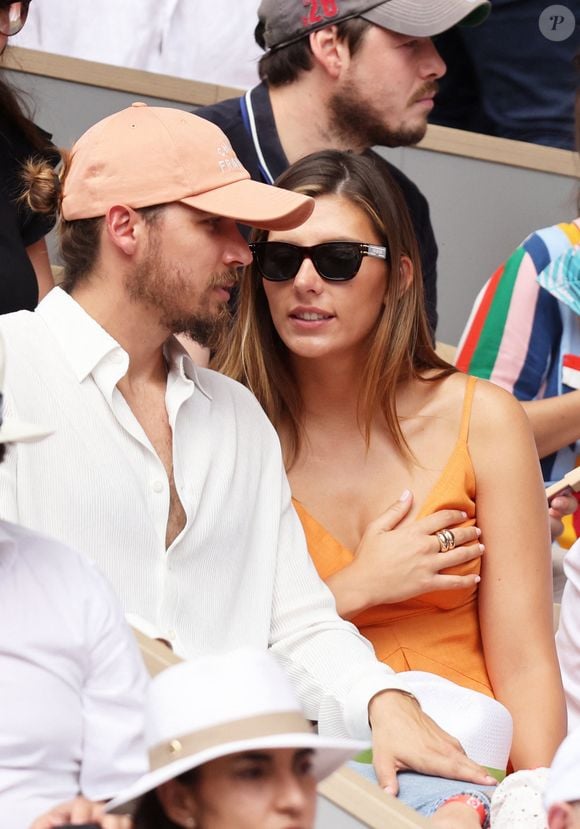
(13, 17)
(334, 261)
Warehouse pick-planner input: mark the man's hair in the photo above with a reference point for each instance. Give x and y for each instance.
(283, 66)
(400, 346)
(80, 240)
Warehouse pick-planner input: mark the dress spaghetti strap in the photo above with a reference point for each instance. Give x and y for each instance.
(467, 404)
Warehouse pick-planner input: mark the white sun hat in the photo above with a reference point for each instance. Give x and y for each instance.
(482, 725)
(564, 777)
(222, 704)
(11, 429)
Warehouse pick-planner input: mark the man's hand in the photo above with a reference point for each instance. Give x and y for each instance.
(560, 506)
(79, 811)
(406, 738)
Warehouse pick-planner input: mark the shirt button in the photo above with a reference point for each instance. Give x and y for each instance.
(158, 486)
(171, 634)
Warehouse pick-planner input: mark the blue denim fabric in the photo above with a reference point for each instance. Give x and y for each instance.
(424, 793)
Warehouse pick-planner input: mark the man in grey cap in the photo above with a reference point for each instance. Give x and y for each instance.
(345, 74)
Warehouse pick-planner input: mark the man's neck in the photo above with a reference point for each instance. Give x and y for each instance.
(300, 113)
(132, 326)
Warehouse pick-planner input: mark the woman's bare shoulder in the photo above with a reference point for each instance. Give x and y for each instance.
(491, 406)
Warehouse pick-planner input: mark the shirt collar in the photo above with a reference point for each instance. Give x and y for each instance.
(85, 343)
(180, 364)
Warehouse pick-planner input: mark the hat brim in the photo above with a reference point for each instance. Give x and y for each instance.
(255, 204)
(15, 431)
(330, 754)
(417, 19)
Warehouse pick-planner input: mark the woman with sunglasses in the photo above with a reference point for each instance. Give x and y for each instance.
(25, 273)
(331, 337)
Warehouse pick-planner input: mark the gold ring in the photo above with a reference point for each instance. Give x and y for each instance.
(450, 539)
(443, 541)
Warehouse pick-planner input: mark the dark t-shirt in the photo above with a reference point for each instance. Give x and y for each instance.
(251, 129)
(19, 227)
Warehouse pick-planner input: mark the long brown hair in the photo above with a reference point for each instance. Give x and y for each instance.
(14, 111)
(400, 349)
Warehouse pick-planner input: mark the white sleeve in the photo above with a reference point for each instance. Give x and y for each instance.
(114, 690)
(568, 635)
(8, 474)
(332, 667)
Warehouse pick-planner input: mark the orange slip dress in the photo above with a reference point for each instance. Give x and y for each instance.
(436, 632)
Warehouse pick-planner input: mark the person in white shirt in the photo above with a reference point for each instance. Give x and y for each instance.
(568, 635)
(72, 684)
(210, 42)
(169, 475)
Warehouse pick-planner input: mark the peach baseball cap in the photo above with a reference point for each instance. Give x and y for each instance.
(143, 156)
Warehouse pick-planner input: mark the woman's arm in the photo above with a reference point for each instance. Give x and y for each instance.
(555, 421)
(515, 594)
(38, 255)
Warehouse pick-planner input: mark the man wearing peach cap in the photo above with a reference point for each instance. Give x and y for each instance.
(169, 475)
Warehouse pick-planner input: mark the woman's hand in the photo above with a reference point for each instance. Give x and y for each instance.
(81, 811)
(392, 564)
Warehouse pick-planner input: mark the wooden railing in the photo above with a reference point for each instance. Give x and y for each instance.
(197, 93)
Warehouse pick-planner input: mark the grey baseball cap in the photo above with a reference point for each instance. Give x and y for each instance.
(286, 21)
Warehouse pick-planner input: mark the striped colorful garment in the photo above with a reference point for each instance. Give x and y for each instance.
(562, 279)
(519, 335)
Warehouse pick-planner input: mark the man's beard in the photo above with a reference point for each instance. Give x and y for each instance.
(360, 124)
(172, 292)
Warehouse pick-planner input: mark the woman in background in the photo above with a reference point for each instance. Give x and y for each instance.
(223, 760)
(25, 273)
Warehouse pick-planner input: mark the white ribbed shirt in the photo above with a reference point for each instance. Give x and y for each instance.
(239, 573)
(72, 684)
(568, 635)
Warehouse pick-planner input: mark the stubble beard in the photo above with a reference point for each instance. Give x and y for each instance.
(360, 124)
(170, 289)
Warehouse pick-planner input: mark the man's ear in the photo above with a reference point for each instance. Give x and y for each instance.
(561, 816)
(330, 53)
(178, 802)
(124, 227)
